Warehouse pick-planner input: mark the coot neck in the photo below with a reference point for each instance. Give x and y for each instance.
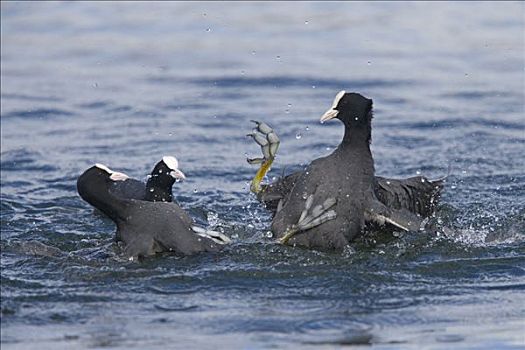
(356, 137)
(355, 151)
(158, 188)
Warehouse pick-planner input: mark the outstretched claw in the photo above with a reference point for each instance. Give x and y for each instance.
(310, 219)
(265, 137)
(215, 236)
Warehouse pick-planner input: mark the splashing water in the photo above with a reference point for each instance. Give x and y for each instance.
(105, 99)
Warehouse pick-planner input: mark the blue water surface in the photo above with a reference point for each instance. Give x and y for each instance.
(124, 83)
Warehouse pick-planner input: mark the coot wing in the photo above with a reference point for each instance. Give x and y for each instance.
(274, 192)
(415, 194)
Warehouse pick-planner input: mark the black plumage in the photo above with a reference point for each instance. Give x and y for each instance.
(417, 194)
(346, 176)
(345, 187)
(145, 227)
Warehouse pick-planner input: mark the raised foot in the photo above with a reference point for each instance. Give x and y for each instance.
(310, 219)
(265, 137)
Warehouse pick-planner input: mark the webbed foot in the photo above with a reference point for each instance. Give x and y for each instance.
(311, 218)
(401, 218)
(215, 236)
(265, 137)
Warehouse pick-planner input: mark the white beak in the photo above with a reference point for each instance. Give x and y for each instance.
(330, 114)
(177, 174)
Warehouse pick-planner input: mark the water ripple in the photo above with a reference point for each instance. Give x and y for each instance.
(127, 93)
(38, 113)
(288, 81)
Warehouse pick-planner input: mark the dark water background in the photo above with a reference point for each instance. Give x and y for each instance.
(126, 83)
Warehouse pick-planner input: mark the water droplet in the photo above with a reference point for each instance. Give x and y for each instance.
(208, 29)
(287, 111)
(418, 172)
(369, 63)
(307, 128)
(243, 72)
(269, 234)
(278, 58)
(298, 136)
(194, 190)
(95, 85)
(213, 218)
(313, 86)
(204, 14)
(289, 105)
(423, 180)
(151, 189)
(253, 52)
(356, 118)
(306, 22)
(305, 195)
(388, 182)
(170, 134)
(328, 148)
